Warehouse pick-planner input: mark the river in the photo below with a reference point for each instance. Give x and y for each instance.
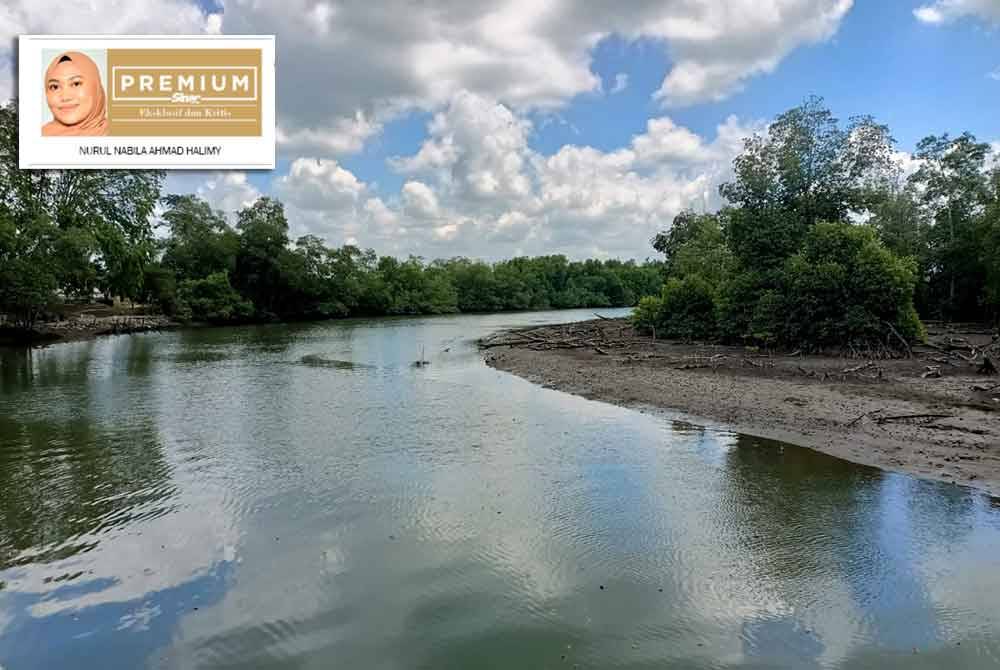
(302, 496)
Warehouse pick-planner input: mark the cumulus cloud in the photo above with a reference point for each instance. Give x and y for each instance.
(344, 135)
(480, 67)
(945, 11)
(420, 201)
(476, 149)
(339, 60)
(317, 184)
(718, 46)
(475, 187)
(347, 68)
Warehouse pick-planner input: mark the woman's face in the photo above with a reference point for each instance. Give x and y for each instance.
(68, 95)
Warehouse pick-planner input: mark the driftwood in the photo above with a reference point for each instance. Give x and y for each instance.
(910, 417)
(906, 345)
(933, 371)
(695, 362)
(862, 416)
(858, 368)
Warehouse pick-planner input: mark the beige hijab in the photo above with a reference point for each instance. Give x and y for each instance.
(96, 122)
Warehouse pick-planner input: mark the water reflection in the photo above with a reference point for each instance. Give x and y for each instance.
(216, 498)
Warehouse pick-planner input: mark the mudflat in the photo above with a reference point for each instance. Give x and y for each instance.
(930, 414)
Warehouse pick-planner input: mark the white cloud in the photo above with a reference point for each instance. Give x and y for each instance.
(476, 188)
(995, 75)
(475, 148)
(110, 16)
(945, 11)
(347, 68)
(344, 135)
(337, 60)
(718, 46)
(229, 191)
(319, 185)
(475, 185)
(419, 200)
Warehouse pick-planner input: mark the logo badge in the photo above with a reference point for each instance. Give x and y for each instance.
(146, 102)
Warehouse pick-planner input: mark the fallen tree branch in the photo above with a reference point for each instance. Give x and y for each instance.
(907, 417)
(862, 416)
(906, 345)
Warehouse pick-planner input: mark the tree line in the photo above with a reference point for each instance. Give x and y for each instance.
(211, 271)
(70, 233)
(825, 242)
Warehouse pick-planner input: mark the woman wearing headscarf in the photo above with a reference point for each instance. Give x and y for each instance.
(75, 94)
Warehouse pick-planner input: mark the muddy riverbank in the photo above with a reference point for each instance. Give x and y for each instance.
(931, 415)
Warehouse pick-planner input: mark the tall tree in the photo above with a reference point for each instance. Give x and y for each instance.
(199, 242)
(953, 183)
(806, 169)
(102, 218)
(263, 239)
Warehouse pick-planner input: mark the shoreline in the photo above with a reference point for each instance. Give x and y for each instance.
(77, 328)
(883, 413)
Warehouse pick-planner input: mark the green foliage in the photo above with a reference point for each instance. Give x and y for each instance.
(28, 278)
(647, 314)
(770, 270)
(212, 299)
(806, 169)
(86, 228)
(696, 245)
(688, 308)
(200, 242)
(953, 190)
(844, 287)
(685, 309)
(160, 288)
(263, 240)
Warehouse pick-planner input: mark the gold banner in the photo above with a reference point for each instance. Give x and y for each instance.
(184, 92)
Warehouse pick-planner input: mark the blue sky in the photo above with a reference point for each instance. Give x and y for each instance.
(497, 127)
(919, 79)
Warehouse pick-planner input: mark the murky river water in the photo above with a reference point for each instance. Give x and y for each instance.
(302, 497)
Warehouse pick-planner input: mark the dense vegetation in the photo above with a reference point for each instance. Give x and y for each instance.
(75, 232)
(823, 243)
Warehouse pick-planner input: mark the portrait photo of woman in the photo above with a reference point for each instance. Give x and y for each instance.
(75, 96)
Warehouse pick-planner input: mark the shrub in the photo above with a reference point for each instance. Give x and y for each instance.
(646, 316)
(688, 308)
(212, 299)
(844, 287)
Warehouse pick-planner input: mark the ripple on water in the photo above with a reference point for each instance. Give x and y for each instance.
(253, 498)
